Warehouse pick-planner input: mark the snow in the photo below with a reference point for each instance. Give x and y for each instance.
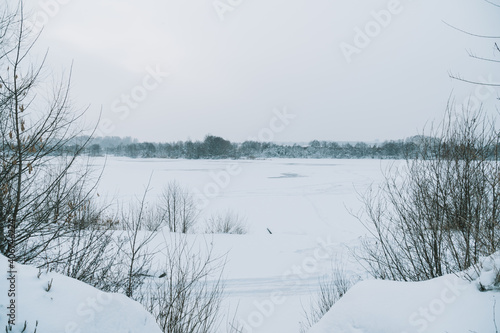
(488, 278)
(259, 190)
(269, 278)
(69, 306)
(447, 304)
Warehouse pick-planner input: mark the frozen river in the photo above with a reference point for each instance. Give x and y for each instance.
(269, 278)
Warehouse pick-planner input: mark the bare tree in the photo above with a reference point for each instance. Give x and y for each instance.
(439, 212)
(177, 208)
(38, 172)
(496, 49)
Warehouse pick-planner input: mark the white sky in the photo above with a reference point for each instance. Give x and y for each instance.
(226, 77)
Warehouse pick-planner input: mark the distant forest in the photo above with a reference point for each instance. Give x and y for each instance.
(214, 147)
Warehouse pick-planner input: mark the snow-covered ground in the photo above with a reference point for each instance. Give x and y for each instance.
(57, 304)
(269, 278)
(288, 196)
(447, 304)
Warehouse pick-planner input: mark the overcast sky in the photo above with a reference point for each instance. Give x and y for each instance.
(165, 70)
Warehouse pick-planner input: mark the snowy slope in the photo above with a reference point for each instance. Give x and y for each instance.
(446, 304)
(69, 306)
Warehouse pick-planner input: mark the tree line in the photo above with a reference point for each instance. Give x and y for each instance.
(214, 147)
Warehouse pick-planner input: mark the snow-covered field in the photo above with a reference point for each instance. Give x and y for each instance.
(269, 278)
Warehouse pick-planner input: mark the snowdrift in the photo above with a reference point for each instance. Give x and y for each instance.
(447, 304)
(63, 305)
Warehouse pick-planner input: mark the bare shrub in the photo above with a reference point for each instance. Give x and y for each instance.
(233, 325)
(87, 252)
(110, 260)
(177, 208)
(139, 255)
(91, 257)
(439, 213)
(226, 223)
(187, 296)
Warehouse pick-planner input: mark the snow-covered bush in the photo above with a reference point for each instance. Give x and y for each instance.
(486, 274)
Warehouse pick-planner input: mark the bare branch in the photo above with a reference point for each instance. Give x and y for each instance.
(459, 78)
(492, 3)
(471, 34)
